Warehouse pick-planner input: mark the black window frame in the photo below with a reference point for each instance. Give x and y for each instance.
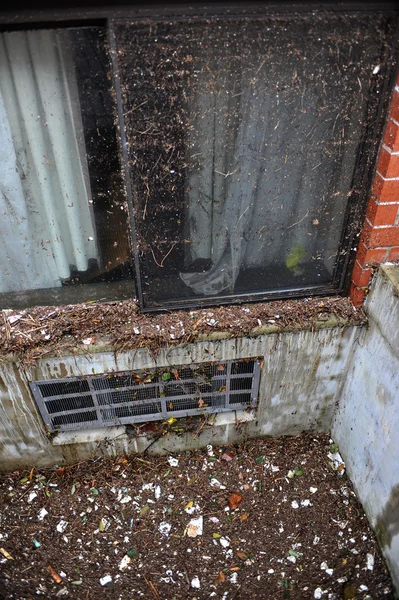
(367, 152)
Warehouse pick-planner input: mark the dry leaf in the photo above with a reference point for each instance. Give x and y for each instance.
(242, 555)
(244, 517)
(171, 405)
(31, 474)
(200, 403)
(189, 505)
(54, 574)
(60, 471)
(234, 500)
(227, 456)
(234, 568)
(176, 374)
(221, 577)
(6, 554)
(220, 367)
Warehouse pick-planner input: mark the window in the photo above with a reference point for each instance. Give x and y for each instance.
(238, 170)
(64, 218)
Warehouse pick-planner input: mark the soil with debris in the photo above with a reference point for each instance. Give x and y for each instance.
(271, 518)
(34, 333)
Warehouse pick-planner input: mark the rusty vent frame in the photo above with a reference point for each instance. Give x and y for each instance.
(147, 395)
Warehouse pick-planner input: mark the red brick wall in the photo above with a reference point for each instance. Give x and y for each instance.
(379, 241)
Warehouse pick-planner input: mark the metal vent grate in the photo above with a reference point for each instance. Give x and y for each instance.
(137, 396)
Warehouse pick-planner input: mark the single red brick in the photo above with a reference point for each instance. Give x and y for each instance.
(366, 234)
(361, 277)
(357, 295)
(392, 169)
(372, 210)
(393, 254)
(386, 236)
(375, 255)
(391, 137)
(382, 214)
(394, 109)
(384, 159)
(385, 190)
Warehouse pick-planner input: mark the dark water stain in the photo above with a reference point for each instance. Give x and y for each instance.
(387, 523)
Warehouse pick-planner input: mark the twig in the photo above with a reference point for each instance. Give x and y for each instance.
(300, 221)
(165, 257)
(226, 174)
(152, 588)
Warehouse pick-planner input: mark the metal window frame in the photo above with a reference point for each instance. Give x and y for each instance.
(100, 406)
(367, 151)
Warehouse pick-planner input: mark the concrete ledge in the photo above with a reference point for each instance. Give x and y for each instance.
(89, 435)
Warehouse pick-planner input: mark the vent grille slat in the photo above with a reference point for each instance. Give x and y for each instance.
(106, 400)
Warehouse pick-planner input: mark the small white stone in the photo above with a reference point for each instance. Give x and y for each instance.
(106, 579)
(195, 583)
(157, 492)
(126, 499)
(312, 490)
(125, 562)
(369, 562)
(224, 542)
(62, 525)
(164, 528)
(31, 497)
(270, 571)
(306, 503)
(318, 593)
(294, 504)
(316, 540)
(173, 461)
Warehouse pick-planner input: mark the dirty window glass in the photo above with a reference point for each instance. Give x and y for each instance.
(63, 228)
(243, 139)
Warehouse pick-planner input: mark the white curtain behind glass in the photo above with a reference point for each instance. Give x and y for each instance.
(46, 222)
(261, 171)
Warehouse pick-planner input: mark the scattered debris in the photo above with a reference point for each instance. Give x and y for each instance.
(62, 525)
(234, 500)
(176, 527)
(42, 513)
(54, 574)
(337, 462)
(120, 322)
(173, 461)
(195, 527)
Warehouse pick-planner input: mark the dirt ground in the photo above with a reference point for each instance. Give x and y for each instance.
(271, 518)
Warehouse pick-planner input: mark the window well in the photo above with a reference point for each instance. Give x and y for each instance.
(147, 395)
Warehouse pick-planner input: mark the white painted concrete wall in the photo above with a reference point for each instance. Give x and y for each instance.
(366, 426)
(301, 379)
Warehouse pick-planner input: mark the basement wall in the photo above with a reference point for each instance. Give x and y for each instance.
(301, 381)
(366, 425)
